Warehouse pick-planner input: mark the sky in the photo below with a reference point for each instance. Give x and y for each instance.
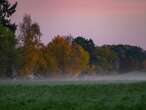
(104, 21)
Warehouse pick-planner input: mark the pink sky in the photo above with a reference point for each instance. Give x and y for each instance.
(105, 21)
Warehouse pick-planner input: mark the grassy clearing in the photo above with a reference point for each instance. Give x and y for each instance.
(73, 97)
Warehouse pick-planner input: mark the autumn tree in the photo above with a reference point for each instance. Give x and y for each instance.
(79, 59)
(29, 40)
(46, 64)
(89, 46)
(69, 58)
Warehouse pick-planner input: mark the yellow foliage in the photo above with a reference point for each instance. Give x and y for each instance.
(71, 59)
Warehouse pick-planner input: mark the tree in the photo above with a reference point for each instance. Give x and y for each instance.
(7, 38)
(79, 59)
(6, 11)
(7, 51)
(29, 32)
(87, 45)
(29, 39)
(130, 57)
(106, 58)
(46, 64)
(70, 58)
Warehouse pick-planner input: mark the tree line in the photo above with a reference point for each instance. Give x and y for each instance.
(24, 54)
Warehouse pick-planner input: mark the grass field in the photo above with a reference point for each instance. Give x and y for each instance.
(73, 97)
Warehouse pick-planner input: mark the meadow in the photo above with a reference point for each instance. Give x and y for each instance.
(130, 96)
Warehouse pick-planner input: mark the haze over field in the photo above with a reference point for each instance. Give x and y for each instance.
(93, 54)
(105, 21)
(132, 77)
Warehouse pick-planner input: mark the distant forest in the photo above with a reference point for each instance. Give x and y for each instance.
(24, 54)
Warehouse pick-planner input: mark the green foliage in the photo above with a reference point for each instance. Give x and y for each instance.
(7, 39)
(106, 58)
(7, 51)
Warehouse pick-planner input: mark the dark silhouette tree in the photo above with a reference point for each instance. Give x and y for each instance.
(6, 11)
(130, 57)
